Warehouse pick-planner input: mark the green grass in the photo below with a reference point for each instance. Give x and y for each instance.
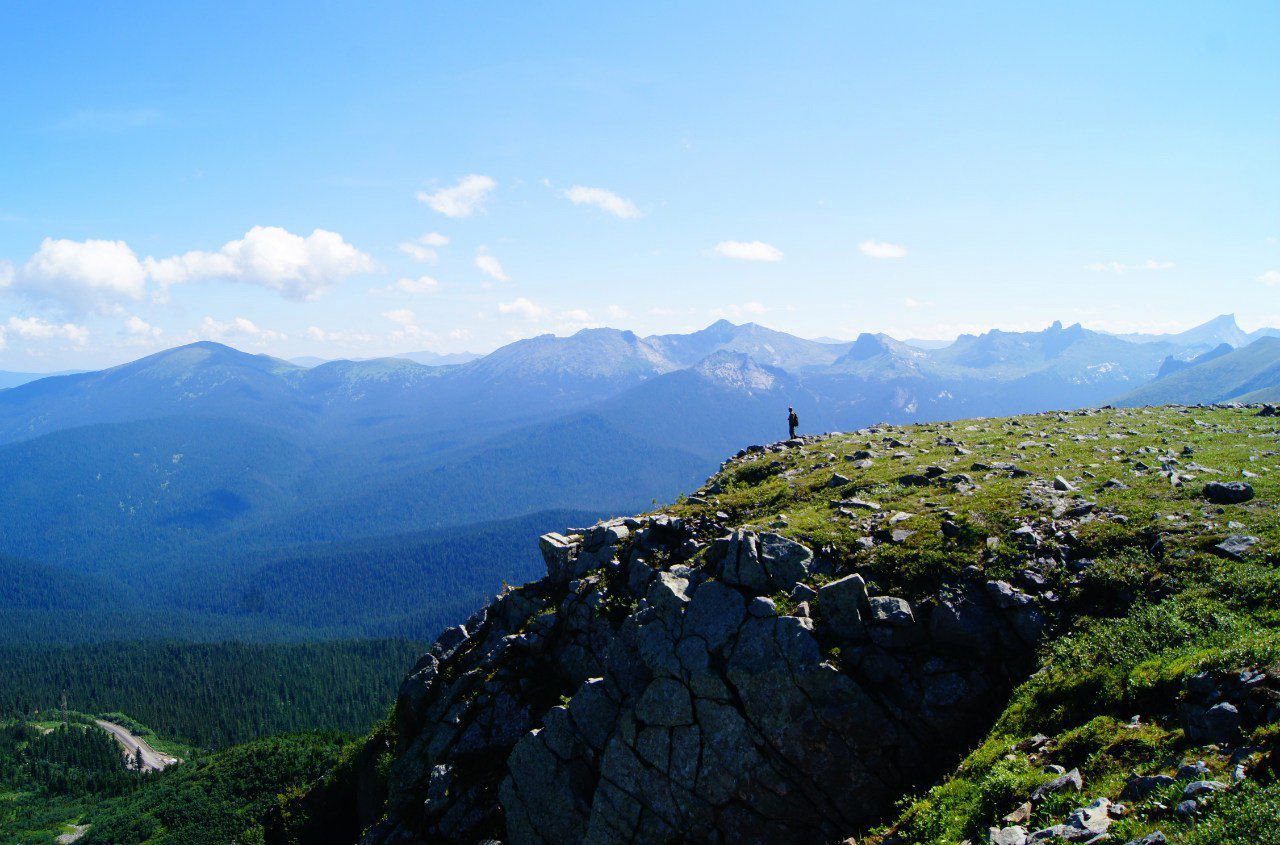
(1136, 625)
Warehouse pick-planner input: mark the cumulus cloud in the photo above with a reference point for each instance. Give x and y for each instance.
(491, 266)
(422, 284)
(38, 328)
(424, 248)
(881, 249)
(102, 275)
(297, 267)
(135, 326)
(749, 251)
(92, 275)
(603, 200)
(1271, 277)
(461, 200)
(522, 307)
(240, 328)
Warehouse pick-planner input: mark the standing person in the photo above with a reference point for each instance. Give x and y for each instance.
(792, 422)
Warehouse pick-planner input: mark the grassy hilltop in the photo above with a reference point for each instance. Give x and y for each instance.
(1157, 612)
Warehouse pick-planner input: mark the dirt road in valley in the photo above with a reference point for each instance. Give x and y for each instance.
(152, 760)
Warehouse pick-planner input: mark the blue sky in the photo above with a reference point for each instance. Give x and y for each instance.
(362, 179)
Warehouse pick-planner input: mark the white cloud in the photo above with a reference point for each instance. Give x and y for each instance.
(522, 307)
(577, 315)
(238, 328)
(461, 200)
(604, 200)
(422, 284)
(491, 266)
(617, 312)
(459, 334)
(881, 249)
(1271, 277)
(299, 268)
(749, 250)
(403, 316)
(37, 328)
(138, 327)
(92, 275)
(1119, 267)
(424, 248)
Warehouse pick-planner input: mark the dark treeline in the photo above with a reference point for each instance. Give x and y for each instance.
(404, 586)
(212, 694)
(70, 759)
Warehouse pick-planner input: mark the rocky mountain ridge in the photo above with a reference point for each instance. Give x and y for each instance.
(831, 624)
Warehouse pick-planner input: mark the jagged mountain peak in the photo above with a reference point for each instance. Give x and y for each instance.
(737, 370)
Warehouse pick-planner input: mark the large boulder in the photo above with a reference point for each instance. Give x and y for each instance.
(760, 563)
(1227, 492)
(842, 605)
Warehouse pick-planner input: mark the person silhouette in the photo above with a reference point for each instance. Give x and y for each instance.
(792, 422)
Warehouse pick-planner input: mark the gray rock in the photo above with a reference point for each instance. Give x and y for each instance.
(1006, 597)
(1198, 788)
(1069, 781)
(1153, 838)
(1140, 787)
(1194, 771)
(714, 614)
(1219, 723)
(842, 604)
(1227, 492)
(666, 703)
(1062, 485)
(761, 563)
(559, 553)
(890, 610)
(1236, 546)
(1014, 835)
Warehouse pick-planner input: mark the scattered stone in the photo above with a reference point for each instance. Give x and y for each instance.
(1062, 485)
(1227, 492)
(1219, 723)
(1020, 815)
(1236, 546)
(1153, 838)
(1140, 787)
(1197, 788)
(1071, 780)
(1015, 835)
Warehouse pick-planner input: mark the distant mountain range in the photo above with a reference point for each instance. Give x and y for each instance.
(201, 478)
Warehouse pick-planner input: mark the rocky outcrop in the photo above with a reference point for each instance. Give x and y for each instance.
(673, 680)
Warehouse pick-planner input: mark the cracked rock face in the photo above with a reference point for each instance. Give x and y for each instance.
(648, 690)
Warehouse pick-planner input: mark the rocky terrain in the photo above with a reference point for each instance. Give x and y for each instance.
(1060, 627)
